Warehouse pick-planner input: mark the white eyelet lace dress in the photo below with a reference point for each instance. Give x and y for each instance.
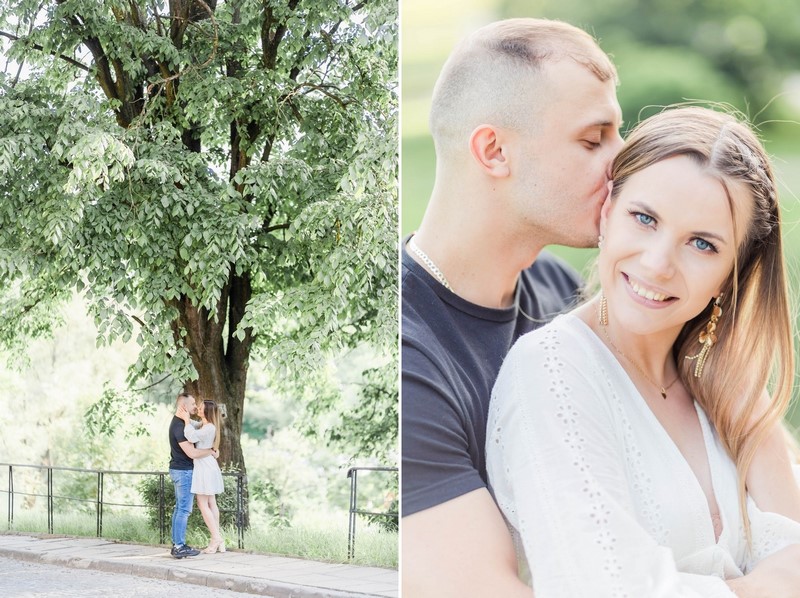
(600, 501)
(207, 477)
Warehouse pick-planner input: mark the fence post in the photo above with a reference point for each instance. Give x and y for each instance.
(352, 473)
(240, 509)
(161, 508)
(49, 500)
(10, 496)
(99, 509)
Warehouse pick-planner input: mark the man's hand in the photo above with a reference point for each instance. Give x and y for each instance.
(460, 549)
(215, 453)
(770, 480)
(776, 576)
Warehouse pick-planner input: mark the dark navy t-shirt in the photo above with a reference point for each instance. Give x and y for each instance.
(451, 353)
(178, 459)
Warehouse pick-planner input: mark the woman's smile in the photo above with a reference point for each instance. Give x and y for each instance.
(650, 294)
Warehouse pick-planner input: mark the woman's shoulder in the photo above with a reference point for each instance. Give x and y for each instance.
(564, 355)
(566, 335)
(561, 363)
(565, 346)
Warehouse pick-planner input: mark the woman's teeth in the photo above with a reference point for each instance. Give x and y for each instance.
(646, 293)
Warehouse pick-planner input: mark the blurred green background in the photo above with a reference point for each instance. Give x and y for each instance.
(742, 52)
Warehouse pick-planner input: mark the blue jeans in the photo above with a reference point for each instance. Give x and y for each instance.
(182, 479)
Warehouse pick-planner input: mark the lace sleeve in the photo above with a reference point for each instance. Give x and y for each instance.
(556, 470)
(771, 532)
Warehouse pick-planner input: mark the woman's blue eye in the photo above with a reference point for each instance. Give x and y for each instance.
(704, 245)
(645, 219)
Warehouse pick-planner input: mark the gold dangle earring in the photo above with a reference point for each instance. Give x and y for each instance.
(707, 338)
(603, 315)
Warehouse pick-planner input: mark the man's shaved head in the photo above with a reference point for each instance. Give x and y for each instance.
(493, 77)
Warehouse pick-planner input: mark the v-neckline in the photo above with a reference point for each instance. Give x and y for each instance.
(705, 430)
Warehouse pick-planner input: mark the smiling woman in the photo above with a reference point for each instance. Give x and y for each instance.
(598, 417)
(669, 242)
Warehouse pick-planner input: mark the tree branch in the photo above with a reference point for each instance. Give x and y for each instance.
(360, 5)
(72, 61)
(271, 40)
(324, 89)
(283, 226)
(206, 62)
(238, 351)
(159, 28)
(143, 388)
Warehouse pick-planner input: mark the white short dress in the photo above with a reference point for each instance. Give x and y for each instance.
(207, 477)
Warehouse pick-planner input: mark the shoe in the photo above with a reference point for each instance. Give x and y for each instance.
(184, 551)
(215, 546)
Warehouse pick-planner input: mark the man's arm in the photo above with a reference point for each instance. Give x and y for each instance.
(194, 453)
(776, 575)
(770, 480)
(460, 548)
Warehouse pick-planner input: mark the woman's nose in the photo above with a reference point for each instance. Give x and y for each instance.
(659, 258)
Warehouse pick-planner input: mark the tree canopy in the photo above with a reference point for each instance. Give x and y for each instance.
(215, 178)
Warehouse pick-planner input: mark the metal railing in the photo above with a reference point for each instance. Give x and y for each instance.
(100, 502)
(352, 473)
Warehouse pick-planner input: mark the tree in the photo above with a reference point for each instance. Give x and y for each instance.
(214, 178)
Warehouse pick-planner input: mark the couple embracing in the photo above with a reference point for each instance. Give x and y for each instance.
(193, 468)
(618, 441)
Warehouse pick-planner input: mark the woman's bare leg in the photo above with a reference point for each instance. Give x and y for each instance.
(212, 501)
(212, 523)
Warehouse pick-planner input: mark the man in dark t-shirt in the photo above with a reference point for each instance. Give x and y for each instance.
(524, 119)
(181, 465)
(452, 350)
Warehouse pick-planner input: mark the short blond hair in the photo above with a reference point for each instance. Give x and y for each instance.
(181, 398)
(491, 76)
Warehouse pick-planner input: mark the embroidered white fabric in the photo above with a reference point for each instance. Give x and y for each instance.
(600, 500)
(206, 477)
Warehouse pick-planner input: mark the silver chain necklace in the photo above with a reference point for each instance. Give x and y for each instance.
(429, 262)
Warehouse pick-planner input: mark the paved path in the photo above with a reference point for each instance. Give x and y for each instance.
(238, 571)
(22, 579)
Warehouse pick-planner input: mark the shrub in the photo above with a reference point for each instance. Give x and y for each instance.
(267, 497)
(149, 490)
(388, 521)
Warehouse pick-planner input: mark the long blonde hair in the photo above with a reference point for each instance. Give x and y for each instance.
(212, 414)
(755, 349)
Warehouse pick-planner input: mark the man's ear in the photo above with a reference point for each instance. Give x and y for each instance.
(486, 144)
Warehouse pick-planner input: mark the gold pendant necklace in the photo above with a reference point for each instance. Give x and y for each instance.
(662, 389)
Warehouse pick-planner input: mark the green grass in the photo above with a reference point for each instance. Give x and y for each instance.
(373, 547)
